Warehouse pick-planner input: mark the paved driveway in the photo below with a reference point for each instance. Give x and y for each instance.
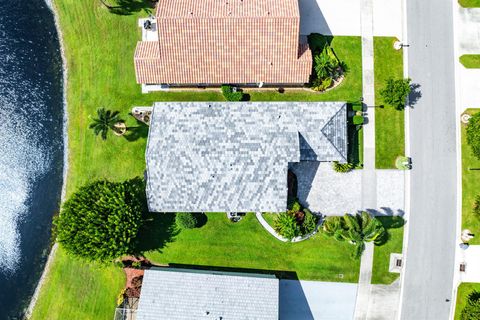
(342, 17)
(307, 300)
(325, 191)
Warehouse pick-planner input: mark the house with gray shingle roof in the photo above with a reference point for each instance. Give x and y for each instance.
(196, 294)
(234, 156)
(214, 42)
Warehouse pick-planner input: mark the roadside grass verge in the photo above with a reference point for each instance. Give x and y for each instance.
(469, 3)
(245, 244)
(381, 254)
(389, 123)
(79, 290)
(99, 49)
(463, 291)
(470, 61)
(470, 186)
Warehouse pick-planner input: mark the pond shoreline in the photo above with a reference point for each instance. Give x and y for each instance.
(53, 250)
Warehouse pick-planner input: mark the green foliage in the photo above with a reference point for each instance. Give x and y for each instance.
(357, 229)
(358, 120)
(105, 121)
(230, 95)
(473, 134)
(186, 220)
(322, 85)
(101, 220)
(297, 221)
(357, 107)
(476, 206)
(396, 92)
(342, 167)
(472, 308)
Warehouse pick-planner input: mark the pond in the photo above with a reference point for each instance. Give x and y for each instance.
(31, 147)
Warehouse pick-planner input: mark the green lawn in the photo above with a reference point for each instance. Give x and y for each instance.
(471, 61)
(381, 254)
(389, 123)
(99, 49)
(77, 290)
(469, 3)
(470, 186)
(463, 291)
(245, 244)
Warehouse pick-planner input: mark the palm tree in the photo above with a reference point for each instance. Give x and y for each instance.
(106, 120)
(326, 64)
(357, 229)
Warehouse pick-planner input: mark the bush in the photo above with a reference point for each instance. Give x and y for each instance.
(297, 221)
(396, 92)
(309, 222)
(473, 134)
(472, 308)
(357, 107)
(358, 120)
(100, 221)
(322, 85)
(342, 167)
(186, 220)
(230, 95)
(285, 224)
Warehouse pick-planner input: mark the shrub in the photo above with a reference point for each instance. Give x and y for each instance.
(230, 95)
(358, 120)
(285, 224)
(100, 221)
(357, 107)
(473, 134)
(322, 85)
(186, 220)
(309, 222)
(395, 92)
(342, 167)
(472, 308)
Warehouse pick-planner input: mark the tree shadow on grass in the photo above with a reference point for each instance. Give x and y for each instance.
(158, 230)
(137, 132)
(389, 222)
(128, 7)
(201, 219)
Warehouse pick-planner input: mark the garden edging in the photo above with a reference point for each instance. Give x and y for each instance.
(270, 230)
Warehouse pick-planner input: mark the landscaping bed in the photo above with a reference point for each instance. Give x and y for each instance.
(470, 61)
(470, 186)
(389, 122)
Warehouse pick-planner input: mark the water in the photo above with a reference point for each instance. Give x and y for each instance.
(31, 146)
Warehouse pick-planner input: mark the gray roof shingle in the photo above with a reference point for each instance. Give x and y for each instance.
(193, 294)
(223, 156)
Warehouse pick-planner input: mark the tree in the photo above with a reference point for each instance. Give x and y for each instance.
(326, 65)
(357, 229)
(472, 308)
(100, 221)
(473, 134)
(396, 92)
(105, 121)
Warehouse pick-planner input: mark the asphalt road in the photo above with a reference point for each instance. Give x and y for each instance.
(429, 268)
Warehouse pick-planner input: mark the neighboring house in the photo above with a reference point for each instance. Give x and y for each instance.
(196, 294)
(214, 42)
(234, 157)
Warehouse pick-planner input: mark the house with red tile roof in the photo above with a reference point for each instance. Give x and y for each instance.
(214, 42)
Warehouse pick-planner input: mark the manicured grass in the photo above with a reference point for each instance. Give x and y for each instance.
(470, 186)
(389, 123)
(99, 49)
(471, 61)
(245, 244)
(77, 290)
(381, 254)
(463, 291)
(469, 3)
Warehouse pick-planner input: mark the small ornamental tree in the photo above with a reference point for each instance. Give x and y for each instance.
(472, 308)
(101, 220)
(473, 134)
(396, 92)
